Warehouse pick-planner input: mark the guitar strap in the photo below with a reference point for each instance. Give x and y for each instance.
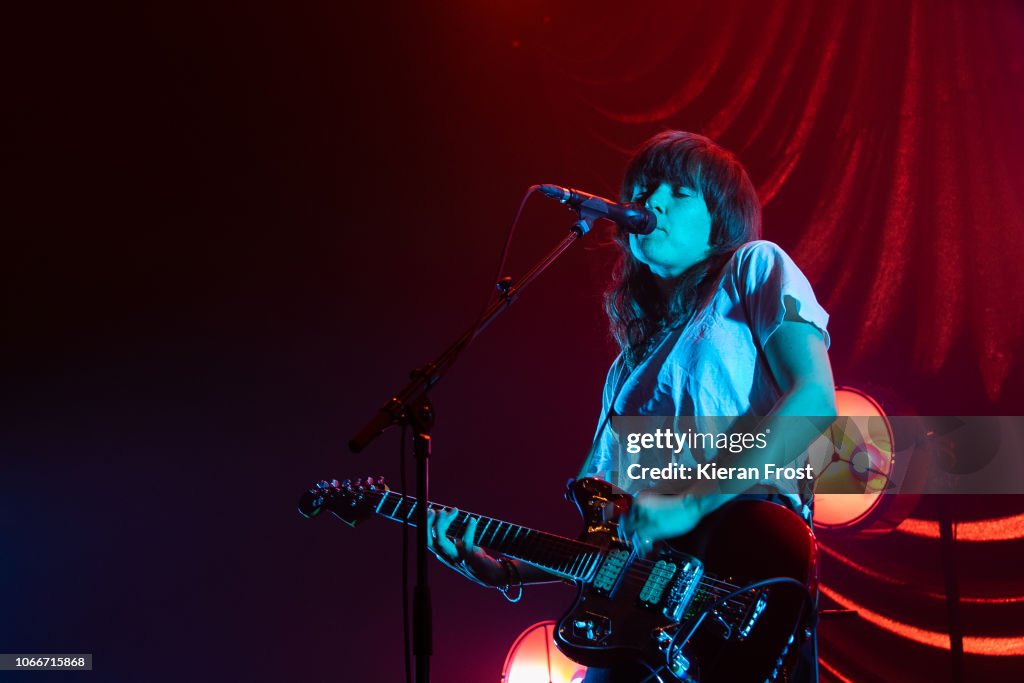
(585, 470)
(606, 418)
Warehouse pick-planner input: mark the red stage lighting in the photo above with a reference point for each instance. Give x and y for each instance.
(855, 457)
(535, 659)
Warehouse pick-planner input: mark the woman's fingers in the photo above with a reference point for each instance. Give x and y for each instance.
(636, 520)
(639, 528)
(467, 559)
(445, 547)
(430, 531)
(442, 544)
(468, 537)
(655, 517)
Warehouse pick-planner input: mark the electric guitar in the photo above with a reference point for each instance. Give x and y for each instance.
(721, 604)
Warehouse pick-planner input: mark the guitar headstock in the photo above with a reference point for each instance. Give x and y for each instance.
(351, 501)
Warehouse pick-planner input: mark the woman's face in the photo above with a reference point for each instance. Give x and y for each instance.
(682, 237)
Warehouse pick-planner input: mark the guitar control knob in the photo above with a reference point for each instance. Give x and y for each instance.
(589, 626)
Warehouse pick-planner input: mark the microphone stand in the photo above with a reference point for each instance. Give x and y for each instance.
(411, 407)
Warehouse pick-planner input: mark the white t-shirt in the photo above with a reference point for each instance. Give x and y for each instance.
(715, 366)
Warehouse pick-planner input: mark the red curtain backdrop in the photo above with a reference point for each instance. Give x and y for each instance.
(885, 140)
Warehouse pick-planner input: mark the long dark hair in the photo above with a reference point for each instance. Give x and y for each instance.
(636, 308)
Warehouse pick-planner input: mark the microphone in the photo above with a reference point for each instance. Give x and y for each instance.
(630, 217)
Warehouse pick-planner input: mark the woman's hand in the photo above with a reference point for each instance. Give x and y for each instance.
(655, 516)
(461, 554)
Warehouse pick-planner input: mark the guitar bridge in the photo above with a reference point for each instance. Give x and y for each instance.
(682, 587)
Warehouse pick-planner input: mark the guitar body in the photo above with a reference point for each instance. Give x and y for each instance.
(621, 614)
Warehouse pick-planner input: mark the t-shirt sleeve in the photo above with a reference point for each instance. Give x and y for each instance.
(769, 283)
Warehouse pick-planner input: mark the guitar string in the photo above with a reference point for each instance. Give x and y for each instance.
(741, 602)
(584, 553)
(712, 587)
(706, 581)
(638, 573)
(636, 577)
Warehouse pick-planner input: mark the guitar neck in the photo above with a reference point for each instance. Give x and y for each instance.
(557, 555)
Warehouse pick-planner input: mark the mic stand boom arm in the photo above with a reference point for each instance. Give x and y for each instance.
(396, 410)
(411, 406)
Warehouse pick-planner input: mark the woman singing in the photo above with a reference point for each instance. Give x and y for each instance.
(711, 322)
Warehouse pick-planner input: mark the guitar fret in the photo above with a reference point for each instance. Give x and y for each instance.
(584, 563)
(494, 532)
(520, 539)
(507, 544)
(503, 544)
(555, 561)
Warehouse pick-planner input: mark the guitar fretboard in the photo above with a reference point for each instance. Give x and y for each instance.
(555, 554)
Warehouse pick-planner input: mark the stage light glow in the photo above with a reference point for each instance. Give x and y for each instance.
(856, 457)
(534, 658)
(1010, 646)
(977, 531)
(833, 671)
(885, 578)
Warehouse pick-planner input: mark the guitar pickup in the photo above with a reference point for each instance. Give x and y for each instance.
(610, 570)
(657, 581)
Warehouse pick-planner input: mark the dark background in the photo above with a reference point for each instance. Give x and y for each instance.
(230, 230)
